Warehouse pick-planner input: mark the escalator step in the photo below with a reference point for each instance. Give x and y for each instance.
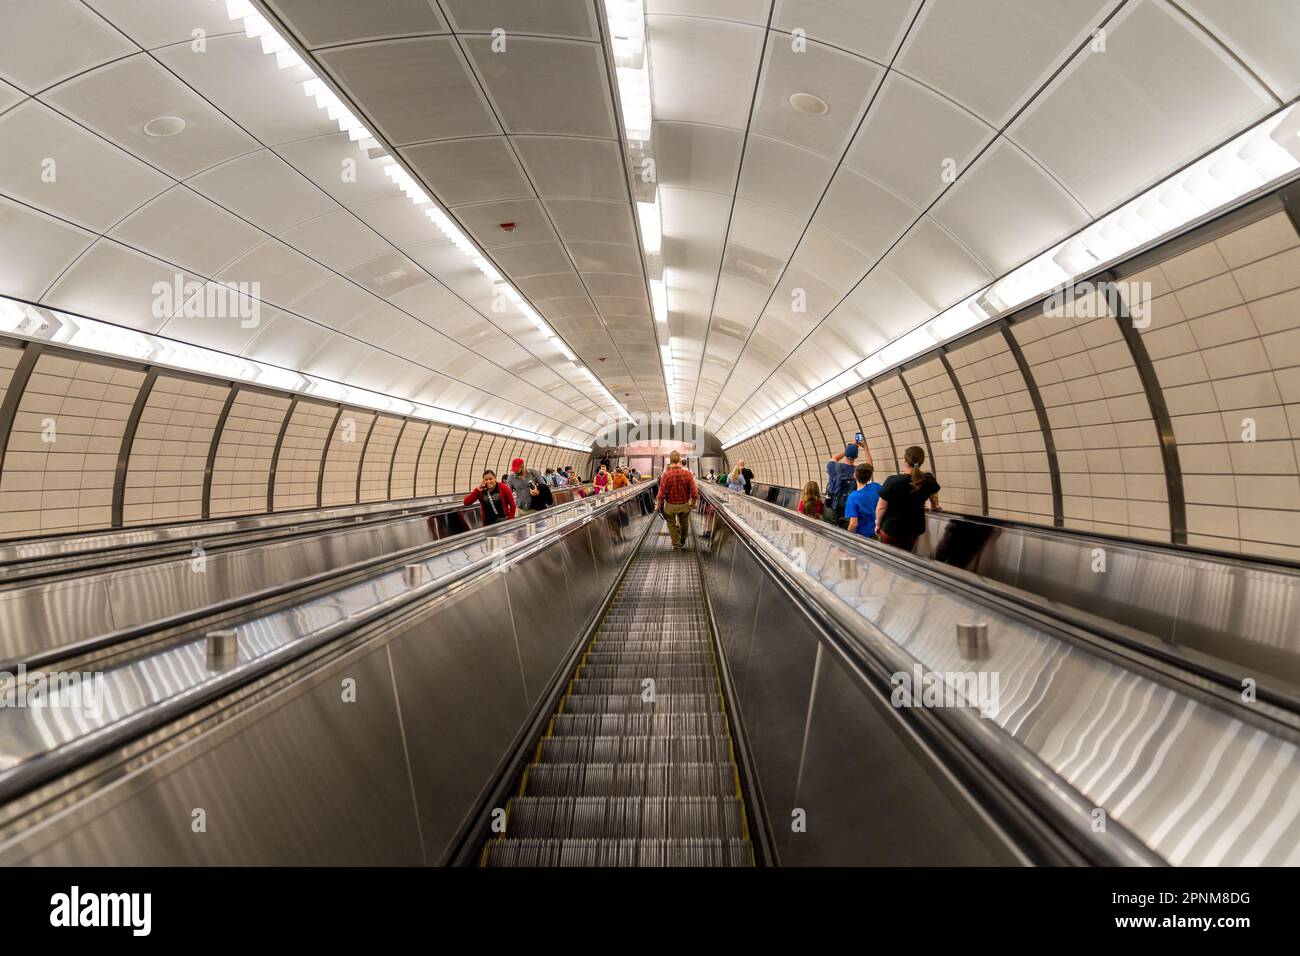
(600, 656)
(654, 649)
(624, 817)
(631, 780)
(633, 704)
(619, 853)
(635, 671)
(638, 749)
(622, 725)
(670, 685)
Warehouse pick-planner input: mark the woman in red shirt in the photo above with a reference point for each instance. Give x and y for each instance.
(601, 481)
(494, 497)
(810, 501)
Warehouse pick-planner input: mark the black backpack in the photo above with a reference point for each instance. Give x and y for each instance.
(841, 486)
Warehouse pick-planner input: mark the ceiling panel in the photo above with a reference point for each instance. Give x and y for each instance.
(45, 41)
(935, 265)
(338, 239)
(692, 54)
(596, 221)
(37, 248)
(152, 24)
(915, 141)
(606, 257)
(117, 284)
(546, 86)
(1006, 210)
(783, 175)
(265, 190)
(1162, 89)
(564, 167)
(282, 273)
(49, 162)
(181, 226)
(842, 81)
(697, 157)
(542, 258)
(351, 21)
(864, 215)
(333, 164)
(415, 90)
(561, 18)
(478, 169)
(119, 99)
(746, 11)
(870, 28)
(1019, 44)
(1265, 39)
(484, 222)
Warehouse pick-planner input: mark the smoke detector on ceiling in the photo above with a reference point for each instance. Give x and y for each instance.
(807, 103)
(161, 126)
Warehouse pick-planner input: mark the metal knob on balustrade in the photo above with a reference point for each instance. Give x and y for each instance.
(413, 575)
(849, 566)
(222, 648)
(973, 640)
(797, 539)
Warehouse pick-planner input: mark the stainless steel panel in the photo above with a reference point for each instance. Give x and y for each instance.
(461, 690)
(870, 799)
(543, 618)
(300, 779)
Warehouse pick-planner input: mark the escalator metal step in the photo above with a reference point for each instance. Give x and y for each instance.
(635, 749)
(634, 704)
(630, 780)
(583, 686)
(639, 672)
(624, 818)
(528, 853)
(598, 655)
(622, 725)
(654, 649)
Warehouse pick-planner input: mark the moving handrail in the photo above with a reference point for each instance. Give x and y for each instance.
(1072, 733)
(26, 560)
(148, 691)
(1227, 617)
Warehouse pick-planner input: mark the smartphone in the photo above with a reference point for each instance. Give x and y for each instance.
(857, 438)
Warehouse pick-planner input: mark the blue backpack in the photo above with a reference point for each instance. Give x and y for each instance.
(840, 485)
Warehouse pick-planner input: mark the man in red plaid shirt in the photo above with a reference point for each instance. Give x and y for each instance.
(677, 496)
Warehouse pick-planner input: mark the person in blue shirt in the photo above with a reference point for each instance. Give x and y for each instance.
(861, 506)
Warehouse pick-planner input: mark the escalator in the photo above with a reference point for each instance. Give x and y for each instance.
(636, 766)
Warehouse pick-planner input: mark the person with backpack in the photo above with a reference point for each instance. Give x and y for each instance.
(860, 507)
(900, 514)
(840, 482)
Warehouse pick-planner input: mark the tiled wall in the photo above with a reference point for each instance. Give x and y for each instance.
(1224, 337)
(405, 457)
(378, 458)
(1015, 454)
(70, 424)
(1222, 333)
(61, 458)
(1112, 474)
(952, 445)
(297, 470)
(242, 467)
(164, 476)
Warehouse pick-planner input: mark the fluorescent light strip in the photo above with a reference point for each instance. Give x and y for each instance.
(1259, 157)
(258, 27)
(91, 335)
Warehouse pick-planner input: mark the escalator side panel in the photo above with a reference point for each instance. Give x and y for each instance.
(867, 792)
(301, 779)
(462, 696)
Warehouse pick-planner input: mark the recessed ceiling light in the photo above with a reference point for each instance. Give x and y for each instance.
(807, 103)
(161, 126)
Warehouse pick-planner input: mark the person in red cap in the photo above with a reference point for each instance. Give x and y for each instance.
(529, 489)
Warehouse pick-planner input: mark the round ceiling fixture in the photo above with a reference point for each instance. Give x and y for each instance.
(161, 126)
(807, 103)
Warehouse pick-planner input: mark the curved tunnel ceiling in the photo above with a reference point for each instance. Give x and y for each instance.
(959, 140)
